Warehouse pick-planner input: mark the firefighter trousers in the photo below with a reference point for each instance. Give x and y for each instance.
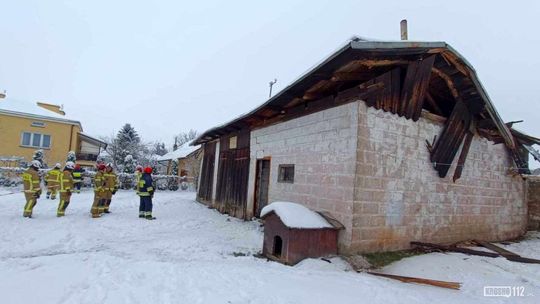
(98, 201)
(31, 201)
(51, 192)
(107, 197)
(64, 203)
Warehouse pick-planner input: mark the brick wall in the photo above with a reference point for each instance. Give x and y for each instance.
(399, 197)
(533, 199)
(322, 146)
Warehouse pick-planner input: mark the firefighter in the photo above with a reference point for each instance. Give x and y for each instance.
(138, 174)
(52, 179)
(110, 186)
(32, 187)
(145, 189)
(77, 178)
(66, 187)
(98, 191)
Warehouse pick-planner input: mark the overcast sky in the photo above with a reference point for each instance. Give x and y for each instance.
(170, 66)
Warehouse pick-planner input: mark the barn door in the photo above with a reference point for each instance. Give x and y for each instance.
(261, 185)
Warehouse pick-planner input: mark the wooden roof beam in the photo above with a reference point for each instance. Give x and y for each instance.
(448, 80)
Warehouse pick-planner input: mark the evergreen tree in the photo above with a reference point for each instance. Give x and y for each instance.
(71, 156)
(127, 142)
(174, 167)
(129, 164)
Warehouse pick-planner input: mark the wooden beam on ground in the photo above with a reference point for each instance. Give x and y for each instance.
(443, 284)
(509, 255)
(463, 156)
(456, 249)
(415, 87)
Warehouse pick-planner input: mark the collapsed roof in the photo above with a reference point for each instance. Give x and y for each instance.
(403, 77)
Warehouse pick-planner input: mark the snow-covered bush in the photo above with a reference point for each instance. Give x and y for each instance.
(11, 177)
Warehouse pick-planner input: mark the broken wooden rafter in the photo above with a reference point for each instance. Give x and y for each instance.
(388, 97)
(448, 80)
(415, 86)
(443, 284)
(452, 60)
(433, 104)
(463, 156)
(446, 148)
(352, 76)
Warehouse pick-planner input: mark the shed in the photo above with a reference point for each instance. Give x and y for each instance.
(293, 232)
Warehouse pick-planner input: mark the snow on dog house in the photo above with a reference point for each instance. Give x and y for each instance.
(292, 233)
(398, 140)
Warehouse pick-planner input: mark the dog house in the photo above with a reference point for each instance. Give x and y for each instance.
(293, 232)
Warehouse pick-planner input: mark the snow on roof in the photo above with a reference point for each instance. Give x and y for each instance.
(19, 107)
(182, 152)
(294, 215)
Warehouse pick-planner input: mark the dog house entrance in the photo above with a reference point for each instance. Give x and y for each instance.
(278, 245)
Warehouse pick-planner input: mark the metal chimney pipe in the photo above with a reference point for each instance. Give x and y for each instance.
(403, 26)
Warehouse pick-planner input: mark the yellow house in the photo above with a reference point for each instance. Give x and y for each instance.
(26, 127)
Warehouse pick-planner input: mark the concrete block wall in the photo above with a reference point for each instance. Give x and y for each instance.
(400, 198)
(533, 200)
(322, 146)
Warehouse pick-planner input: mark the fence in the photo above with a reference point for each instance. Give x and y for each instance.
(11, 177)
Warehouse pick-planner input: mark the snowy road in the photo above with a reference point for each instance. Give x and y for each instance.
(190, 255)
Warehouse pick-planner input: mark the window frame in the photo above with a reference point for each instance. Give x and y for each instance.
(233, 142)
(282, 176)
(31, 141)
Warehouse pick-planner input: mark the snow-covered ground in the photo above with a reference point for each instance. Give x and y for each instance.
(192, 254)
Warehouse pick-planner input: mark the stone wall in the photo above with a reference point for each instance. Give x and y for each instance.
(533, 199)
(322, 146)
(400, 198)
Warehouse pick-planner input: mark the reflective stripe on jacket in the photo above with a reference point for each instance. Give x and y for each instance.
(145, 186)
(53, 177)
(31, 181)
(110, 181)
(77, 174)
(66, 181)
(98, 181)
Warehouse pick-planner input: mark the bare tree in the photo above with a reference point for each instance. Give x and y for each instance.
(184, 137)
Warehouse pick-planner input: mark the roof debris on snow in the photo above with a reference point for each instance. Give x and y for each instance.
(294, 215)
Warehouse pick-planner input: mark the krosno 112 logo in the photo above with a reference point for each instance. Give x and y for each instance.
(504, 291)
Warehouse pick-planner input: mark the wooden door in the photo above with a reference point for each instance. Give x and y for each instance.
(261, 185)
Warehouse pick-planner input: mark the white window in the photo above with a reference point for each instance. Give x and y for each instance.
(35, 140)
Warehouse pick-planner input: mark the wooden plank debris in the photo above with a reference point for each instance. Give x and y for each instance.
(443, 284)
(514, 257)
(456, 249)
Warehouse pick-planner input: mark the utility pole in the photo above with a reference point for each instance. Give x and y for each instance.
(272, 83)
